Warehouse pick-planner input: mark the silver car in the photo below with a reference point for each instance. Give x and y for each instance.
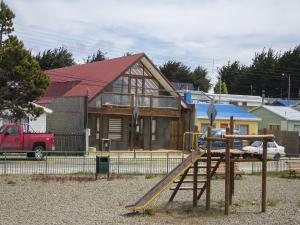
(274, 150)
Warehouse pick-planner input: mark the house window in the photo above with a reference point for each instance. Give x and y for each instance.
(242, 128)
(153, 131)
(297, 128)
(274, 126)
(115, 128)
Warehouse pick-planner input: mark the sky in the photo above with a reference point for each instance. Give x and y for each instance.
(201, 32)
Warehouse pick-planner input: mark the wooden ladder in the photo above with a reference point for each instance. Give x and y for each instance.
(184, 179)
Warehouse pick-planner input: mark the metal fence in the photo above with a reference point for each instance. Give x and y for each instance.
(72, 165)
(68, 143)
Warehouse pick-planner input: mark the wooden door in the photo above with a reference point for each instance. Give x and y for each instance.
(174, 134)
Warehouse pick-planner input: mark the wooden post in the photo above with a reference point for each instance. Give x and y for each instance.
(178, 185)
(195, 188)
(227, 175)
(208, 169)
(178, 122)
(131, 138)
(231, 131)
(150, 143)
(264, 174)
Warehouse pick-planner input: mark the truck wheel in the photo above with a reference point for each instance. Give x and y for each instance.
(277, 156)
(38, 152)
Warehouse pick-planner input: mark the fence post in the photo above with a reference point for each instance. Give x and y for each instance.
(46, 168)
(84, 163)
(151, 163)
(4, 163)
(167, 162)
(252, 167)
(118, 163)
(277, 166)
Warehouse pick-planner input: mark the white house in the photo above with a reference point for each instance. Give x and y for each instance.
(38, 125)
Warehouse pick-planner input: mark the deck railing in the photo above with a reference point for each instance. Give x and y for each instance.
(131, 100)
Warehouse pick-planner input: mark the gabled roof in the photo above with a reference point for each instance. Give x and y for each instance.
(225, 111)
(87, 79)
(285, 102)
(285, 112)
(91, 79)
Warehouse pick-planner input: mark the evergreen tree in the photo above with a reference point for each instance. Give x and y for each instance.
(56, 58)
(200, 79)
(98, 56)
(21, 80)
(6, 21)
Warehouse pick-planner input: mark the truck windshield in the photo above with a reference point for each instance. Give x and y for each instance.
(2, 128)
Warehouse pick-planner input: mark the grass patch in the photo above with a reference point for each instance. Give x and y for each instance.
(150, 212)
(11, 182)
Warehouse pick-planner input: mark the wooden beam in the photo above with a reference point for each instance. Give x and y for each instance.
(150, 143)
(178, 185)
(195, 185)
(211, 175)
(208, 169)
(231, 129)
(227, 175)
(264, 174)
(249, 137)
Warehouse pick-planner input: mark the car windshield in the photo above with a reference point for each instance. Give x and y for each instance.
(2, 128)
(256, 144)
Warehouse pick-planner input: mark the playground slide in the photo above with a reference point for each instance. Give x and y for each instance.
(142, 203)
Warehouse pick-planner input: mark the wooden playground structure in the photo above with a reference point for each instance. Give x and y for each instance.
(212, 159)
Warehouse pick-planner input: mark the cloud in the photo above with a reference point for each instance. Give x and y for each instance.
(194, 32)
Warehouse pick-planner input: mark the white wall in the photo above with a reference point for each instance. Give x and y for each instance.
(39, 124)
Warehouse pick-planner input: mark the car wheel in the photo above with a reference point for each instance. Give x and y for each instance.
(277, 156)
(38, 152)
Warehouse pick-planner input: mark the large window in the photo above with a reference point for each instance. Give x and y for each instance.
(242, 128)
(115, 128)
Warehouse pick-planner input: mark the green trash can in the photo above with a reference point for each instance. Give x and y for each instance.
(102, 165)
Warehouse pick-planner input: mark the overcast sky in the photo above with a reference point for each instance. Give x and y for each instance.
(194, 32)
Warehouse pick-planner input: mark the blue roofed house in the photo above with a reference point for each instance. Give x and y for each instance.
(245, 122)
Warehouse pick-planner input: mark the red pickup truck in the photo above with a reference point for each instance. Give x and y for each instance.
(18, 138)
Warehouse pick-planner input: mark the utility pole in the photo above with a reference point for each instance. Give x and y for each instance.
(251, 89)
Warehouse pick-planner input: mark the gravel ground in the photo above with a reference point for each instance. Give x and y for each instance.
(27, 201)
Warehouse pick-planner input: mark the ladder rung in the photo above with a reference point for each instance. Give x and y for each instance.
(199, 174)
(202, 167)
(185, 188)
(189, 181)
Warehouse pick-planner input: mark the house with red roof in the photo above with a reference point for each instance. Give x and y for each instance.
(129, 101)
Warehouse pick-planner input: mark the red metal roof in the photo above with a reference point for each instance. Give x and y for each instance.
(87, 79)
